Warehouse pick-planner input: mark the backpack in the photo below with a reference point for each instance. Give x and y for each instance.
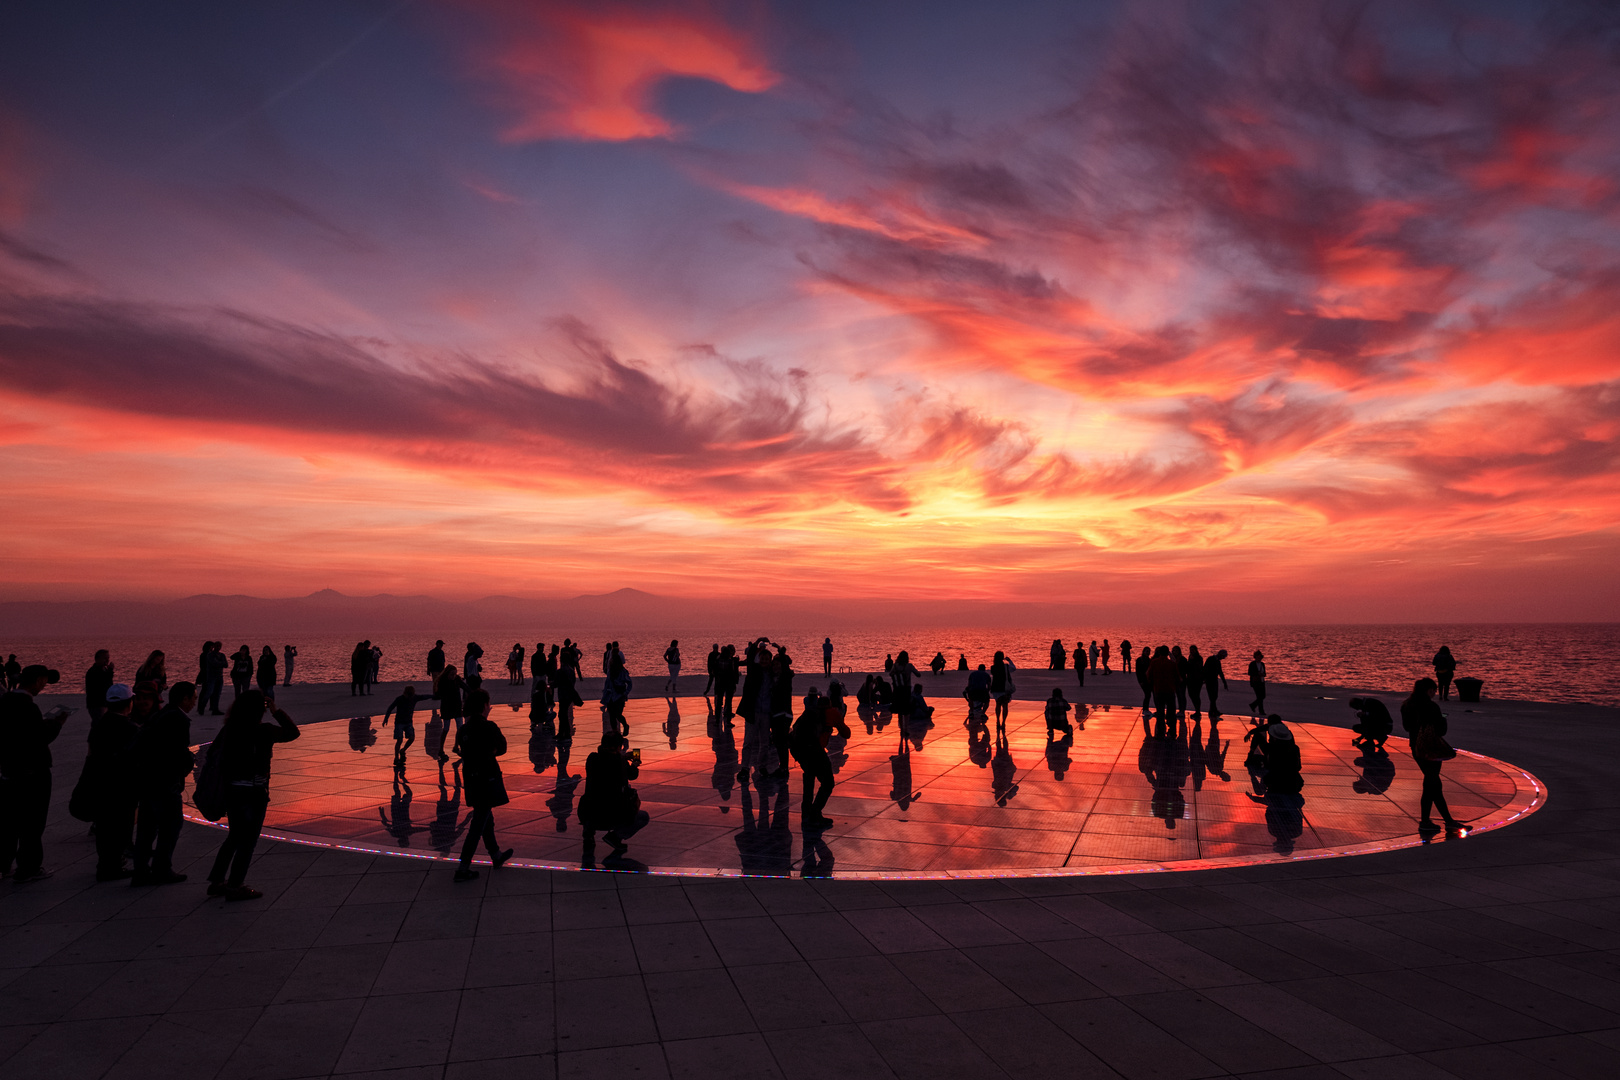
(209, 793)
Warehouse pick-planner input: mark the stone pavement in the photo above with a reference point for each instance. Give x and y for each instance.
(1496, 956)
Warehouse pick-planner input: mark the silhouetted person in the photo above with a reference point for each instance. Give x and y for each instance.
(249, 743)
(1445, 669)
(13, 672)
(403, 710)
(1080, 661)
(568, 698)
(241, 670)
(1214, 680)
(1003, 770)
(1143, 662)
(214, 665)
(616, 690)
(1283, 768)
(26, 735)
(1058, 655)
(289, 654)
(1162, 675)
(810, 735)
(1257, 682)
(163, 762)
(360, 669)
(451, 706)
(472, 669)
(97, 680)
(961, 662)
(610, 804)
(1057, 715)
(888, 664)
(1373, 723)
(1127, 659)
(1425, 726)
(482, 745)
(781, 712)
(755, 707)
(396, 820)
(267, 672)
(435, 663)
(1181, 679)
(712, 666)
(154, 670)
(902, 673)
(826, 656)
(937, 664)
(672, 657)
(725, 681)
(372, 674)
(977, 692)
(1105, 653)
(1095, 654)
(106, 788)
(672, 722)
(1001, 685)
(1193, 678)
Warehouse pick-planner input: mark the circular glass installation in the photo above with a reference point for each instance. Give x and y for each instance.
(933, 798)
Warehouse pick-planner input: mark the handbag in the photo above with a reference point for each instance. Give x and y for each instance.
(208, 796)
(1429, 745)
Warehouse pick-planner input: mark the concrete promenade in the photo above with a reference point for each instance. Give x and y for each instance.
(1495, 956)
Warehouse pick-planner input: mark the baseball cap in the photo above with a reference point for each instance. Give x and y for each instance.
(119, 692)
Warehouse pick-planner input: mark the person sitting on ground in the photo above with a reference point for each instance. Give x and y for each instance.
(1057, 714)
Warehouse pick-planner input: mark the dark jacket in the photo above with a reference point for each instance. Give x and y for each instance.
(109, 765)
(482, 743)
(450, 700)
(97, 681)
(1162, 674)
(247, 750)
(163, 757)
(1419, 713)
(25, 736)
(435, 661)
(608, 801)
(1213, 672)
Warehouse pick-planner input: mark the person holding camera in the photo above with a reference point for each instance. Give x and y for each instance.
(610, 803)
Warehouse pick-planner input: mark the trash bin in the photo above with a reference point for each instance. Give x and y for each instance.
(1468, 689)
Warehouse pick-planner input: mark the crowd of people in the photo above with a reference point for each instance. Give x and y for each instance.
(139, 755)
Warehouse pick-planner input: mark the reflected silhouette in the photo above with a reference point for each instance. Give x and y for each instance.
(1057, 754)
(446, 827)
(396, 820)
(818, 857)
(672, 725)
(765, 841)
(724, 744)
(1166, 760)
(362, 735)
(978, 732)
(542, 746)
(1377, 772)
(1003, 770)
(1208, 759)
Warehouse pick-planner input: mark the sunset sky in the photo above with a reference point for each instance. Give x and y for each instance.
(1244, 311)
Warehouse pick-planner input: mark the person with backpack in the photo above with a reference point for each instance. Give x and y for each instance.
(482, 744)
(246, 744)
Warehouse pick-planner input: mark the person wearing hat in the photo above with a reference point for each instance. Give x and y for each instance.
(1283, 768)
(26, 735)
(108, 783)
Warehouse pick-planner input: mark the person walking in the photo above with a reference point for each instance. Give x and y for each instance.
(26, 735)
(1445, 669)
(249, 743)
(1105, 654)
(482, 744)
(451, 708)
(808, 742)
(289, 653)
(267, 672)
(1425, 727)
(610, 804)
(1214, 679)
(163, 761)
(1001, 685)
(97, 681)
(672, 657)
(106, 788)
(403, 710)
(1257, 681)
(435, 663)
(826, 655)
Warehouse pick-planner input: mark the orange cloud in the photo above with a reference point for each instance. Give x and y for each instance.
(590, 70)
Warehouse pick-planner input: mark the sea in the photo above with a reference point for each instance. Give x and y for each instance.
(1562, 662)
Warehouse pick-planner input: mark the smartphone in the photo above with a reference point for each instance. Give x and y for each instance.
(635, 756)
